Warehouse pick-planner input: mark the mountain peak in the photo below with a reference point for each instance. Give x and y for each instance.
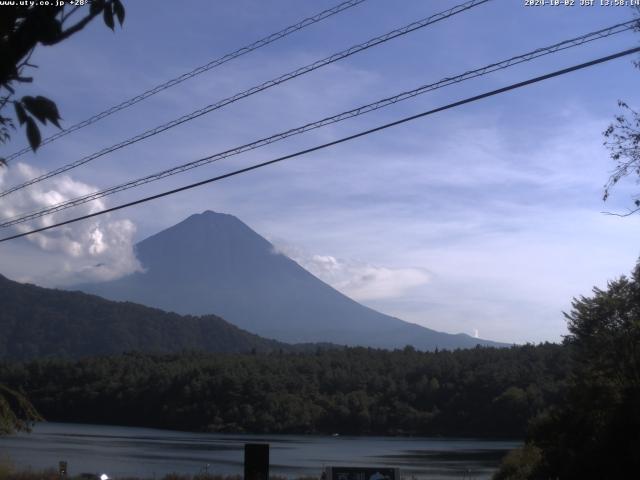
(201, 247)
(210, 216)
(214, 263)
(210, 222)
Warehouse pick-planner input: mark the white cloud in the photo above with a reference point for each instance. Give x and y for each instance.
(92, 250)
(358, 280)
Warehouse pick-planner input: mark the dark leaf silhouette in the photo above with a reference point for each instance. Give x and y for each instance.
(96, 7)
(43, 109)
(118, 8)
(20, 113)
(33, 134)
(22, 29)
(49, 30)
(107, 14)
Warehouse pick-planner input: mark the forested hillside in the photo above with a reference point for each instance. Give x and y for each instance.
(37, 322)
(479, 392)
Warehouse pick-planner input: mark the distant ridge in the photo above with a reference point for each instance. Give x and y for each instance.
(41, 322)
(214, 263)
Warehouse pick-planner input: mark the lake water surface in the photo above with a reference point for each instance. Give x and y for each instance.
(144, 452)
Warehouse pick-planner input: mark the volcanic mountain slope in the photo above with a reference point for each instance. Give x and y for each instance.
(214, 263)
(41, 322)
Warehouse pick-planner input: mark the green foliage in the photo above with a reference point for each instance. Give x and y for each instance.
(6, 467)
(593, 432)
(16, 412)
(22, 29)
(519, 464)
(351, 390)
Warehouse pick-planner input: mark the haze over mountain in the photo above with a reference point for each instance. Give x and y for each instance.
(213, 263)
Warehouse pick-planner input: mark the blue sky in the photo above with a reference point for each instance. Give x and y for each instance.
(485, 219)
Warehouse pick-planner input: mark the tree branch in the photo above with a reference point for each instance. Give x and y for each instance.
(78, 26)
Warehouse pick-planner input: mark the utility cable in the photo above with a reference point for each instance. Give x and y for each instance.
(491, 93)
(281, 79)
(385, 102)
(196, 71)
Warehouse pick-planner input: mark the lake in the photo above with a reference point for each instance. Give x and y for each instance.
(145, 452)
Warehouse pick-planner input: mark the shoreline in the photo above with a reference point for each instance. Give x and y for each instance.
(495, 438)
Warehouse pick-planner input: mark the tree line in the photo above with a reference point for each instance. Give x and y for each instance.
(476, 392)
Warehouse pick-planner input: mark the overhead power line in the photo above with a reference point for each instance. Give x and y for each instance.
(271, 83)
(196, 71)
(385, 102)
(491, 93)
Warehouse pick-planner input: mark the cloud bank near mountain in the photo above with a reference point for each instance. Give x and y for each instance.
(95, 250)
(356, 279)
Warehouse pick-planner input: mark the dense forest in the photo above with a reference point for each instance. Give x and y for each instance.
(476, 392)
